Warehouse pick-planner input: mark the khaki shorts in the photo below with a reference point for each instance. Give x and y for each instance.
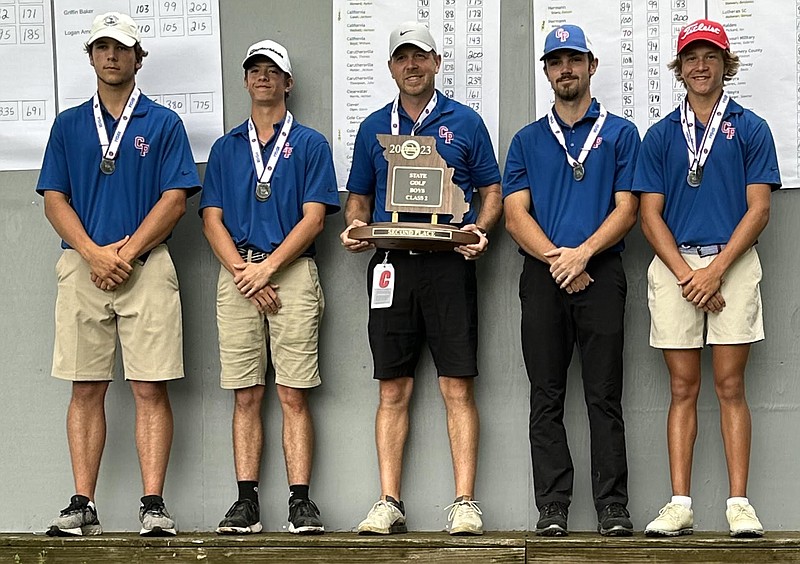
(292, 333)
(677, 324)
(144, 313)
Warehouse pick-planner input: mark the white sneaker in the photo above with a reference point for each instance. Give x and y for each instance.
(464, 517)
(384, 518)
(743, 522)
(674, 519)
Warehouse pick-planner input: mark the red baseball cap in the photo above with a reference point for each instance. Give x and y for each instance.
(703, 30)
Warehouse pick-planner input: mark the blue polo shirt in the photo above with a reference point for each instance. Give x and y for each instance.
(154, 157)
(304, 173)
(461, 139)
(569, 211)
(743, 153)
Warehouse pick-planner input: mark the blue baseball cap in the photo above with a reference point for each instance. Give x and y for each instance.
(567, 36)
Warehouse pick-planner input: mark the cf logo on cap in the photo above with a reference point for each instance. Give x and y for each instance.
(110, 20)
(562, 34)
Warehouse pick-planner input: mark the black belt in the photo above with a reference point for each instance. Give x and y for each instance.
(143, 257)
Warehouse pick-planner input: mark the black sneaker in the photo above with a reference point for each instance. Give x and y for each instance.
(614, 521)
(244, 517)
(77, 519)
(304, 518)
(552, 520)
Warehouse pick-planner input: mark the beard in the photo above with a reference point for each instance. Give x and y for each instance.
(568, 92)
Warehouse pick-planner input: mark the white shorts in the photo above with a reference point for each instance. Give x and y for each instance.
(676, 323)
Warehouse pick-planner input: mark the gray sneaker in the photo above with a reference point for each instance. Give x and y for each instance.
(76, 520)
(156, 521)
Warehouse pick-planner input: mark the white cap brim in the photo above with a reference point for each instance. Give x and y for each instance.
(422, 45)
(113, 33)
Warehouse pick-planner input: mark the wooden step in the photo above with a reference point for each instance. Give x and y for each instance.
(418, 548)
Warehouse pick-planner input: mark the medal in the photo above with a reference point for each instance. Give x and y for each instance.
(264, 172)
(108, 166)
(578, 169)
(699, 154)
(695, 177)
(263, 191)
(109, 150)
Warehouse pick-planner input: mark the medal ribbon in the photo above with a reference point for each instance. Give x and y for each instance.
(425, 113)
(110, 150)
(264, 174)
(588, 144)
(698, 155)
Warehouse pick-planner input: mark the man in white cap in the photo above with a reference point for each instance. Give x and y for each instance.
(115, 178)
(268, 186)
(705, 173)
(435, 294)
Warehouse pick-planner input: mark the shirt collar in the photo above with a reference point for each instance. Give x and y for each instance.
(592, 113)
(444, 105)
(733, 109)
(243, 131)
(141, 108)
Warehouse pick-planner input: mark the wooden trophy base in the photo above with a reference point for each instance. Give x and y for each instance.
(414, 236)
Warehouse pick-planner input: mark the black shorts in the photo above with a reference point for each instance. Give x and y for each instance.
(435, 300)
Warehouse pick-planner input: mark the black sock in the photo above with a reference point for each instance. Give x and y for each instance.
(298, 491)
(248, 489)
(149, 500)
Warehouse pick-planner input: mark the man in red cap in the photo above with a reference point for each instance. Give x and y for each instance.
(703, 215)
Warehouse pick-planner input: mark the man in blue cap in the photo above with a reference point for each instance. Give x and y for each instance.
(568, 204)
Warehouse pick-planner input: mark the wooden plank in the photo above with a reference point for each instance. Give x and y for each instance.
(701, 548)
(266, 555)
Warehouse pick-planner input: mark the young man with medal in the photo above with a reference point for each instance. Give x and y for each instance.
(268, 186)
(432, 296)
(568, 205)
(705, 174)
(115, 177)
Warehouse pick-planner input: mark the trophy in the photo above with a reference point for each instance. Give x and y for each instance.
(418, 181)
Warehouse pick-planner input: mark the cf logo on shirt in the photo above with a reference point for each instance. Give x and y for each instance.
(287, 151)
(446, 134)
(728, 129)
(143, 147)
(385, 278)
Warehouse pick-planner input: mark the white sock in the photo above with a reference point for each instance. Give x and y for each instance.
(684, 500)
(737, 501)
(91, 504)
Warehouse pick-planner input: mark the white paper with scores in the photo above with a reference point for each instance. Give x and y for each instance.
(182, 72)
(27, 84)
(767, 40)
(633, 40)
(467, 34)
(382, 286)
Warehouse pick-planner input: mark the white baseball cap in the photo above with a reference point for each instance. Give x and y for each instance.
(276, 52)
(115, 25)
(414, 33)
